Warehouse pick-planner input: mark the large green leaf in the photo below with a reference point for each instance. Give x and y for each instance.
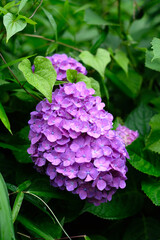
(153, 141)
(4, 118)
(123, 205)
(130, 84)
(98, 62)
(156, 48)
(6, 226)
(13, 25)
(43, 77)
(139, 119)
(142, 229)
(151, 188)
(143, 160)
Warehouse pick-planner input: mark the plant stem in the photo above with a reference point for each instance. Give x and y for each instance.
(36, 9)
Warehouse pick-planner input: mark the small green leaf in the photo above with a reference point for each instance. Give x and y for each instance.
(155, 64)
(156, 48)
(17, 205)
(86, 238)
(28, 20)
(52, 22)
(10, 4)
(6, 225)
(43, 77)
(122, 60)
(123, 204)
(93, 18)
(71, 75)
(34, 228)
(151, 188)
(98, 62)
(4, 118)
(52, 47)
(12, 25)
(3, 10)
(22, 4)
(23, 186)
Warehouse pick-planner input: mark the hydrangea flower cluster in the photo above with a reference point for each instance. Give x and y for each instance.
(72, 142)
(61, 63)
(127, 135)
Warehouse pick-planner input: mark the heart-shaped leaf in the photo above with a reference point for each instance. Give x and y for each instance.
(44, 76)
(98, 62)
(12, 25)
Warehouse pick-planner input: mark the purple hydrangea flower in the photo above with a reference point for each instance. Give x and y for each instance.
(72, 141)
(127, 135)
(61, 63)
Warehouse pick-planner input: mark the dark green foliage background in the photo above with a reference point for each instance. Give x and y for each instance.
(130, 87)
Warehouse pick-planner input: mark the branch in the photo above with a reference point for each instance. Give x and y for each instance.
(36, 9)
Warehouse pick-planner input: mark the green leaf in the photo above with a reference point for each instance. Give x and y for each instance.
(4, 118)
(153, 140)
(3, 10)
(17, 205)
(122, 60)
(90, 83)
(23, 186)
(142, 229)
(130, 84)
(71, 75)
(122, 205)
(151, 188)
(156, 48)
(139, 119)
(86, 238)
(52, 22)
(43, 77)
(12, 25)
(6, 225)
(98, 62)
(22, 4)
(34, 228)
(28, 20)
(52, 47)
(93, 18)
(10, 4)
(155, 64)
(143, 160)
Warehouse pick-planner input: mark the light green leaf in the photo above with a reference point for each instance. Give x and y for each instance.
(139, 119)
(28, 20)
(43, 77)
(155, 64)
(122, 205)
(156, 48)
(143, 160)
(11, 4)
(12, 25)
(98, 62)
(93, 18)
(71, 75)
(122, 60)
(90, 83)
(3, 10)
(153, 140)
(130, 84)
(4, 118)
(17, 205)
(34, 228)
(151, 188)
(22, 4)
(52, 22)
(6, 225)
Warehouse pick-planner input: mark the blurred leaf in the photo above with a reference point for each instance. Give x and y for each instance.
(139, 119)
(6, 226)
(34, 228)
(52, 22)
(93, 18)
(122, 60)
(71, 75)
(153, 140)
(23, 186)
(98, 43)
(123, 204)
(98, 62)
(10, 4)
(43, 77)
(142, 229)
(144, 161)
(130, 84)
(83, 7)
(87, 238)
(52, 47)
(4, 118)
(12, 25)
(155, 64)
(3, 10)
(22, 4)
(156, 48)
(17, 205)
(151, 188)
